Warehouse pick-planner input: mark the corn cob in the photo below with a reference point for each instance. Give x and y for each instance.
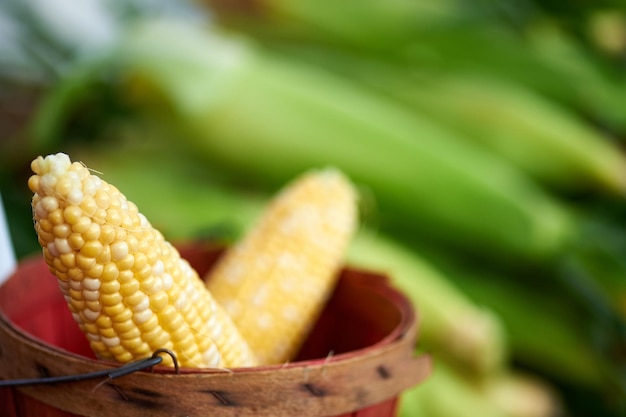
(127, 288)
(274, 282)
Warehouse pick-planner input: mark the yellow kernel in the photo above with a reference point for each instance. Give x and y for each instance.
(126, 262)
(116, 350)
(170, 317)
(124, 315)
(63, 186)
(85, 263)
(107, 332)
(130, 288)
(145, 274)
(102, 199)
(75, 274)
(93, 305)
(57, 263)
(99, 348)
(91, 328)
(110, 272)
(76, 241)
(131, 343)
(72, 214)
(124, 326)
(125, 276)
(133, 244)
(104, 322)
(62, 230)
(160, 340)
(124, 356)
(56, 217)
(114, 310)
(91, 248)
(92, 233)
(110, 300)
(134, 299)
(45, 225)
(149, 326)
(81, 225)
(113, 217)
(141, 260)
(158, 301)
(89, 206)
(96, 271)
(108, 287)
(68, 259)
(76, 303)
(33, 183)
(107, 234)
(105, 255)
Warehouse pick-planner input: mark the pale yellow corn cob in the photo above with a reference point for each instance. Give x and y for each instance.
(275, 281)
(127, 288)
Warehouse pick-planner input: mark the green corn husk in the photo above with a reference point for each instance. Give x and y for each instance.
(477, 39)
(510, 394)
(467, 335)
(535, 134)
(244, 111)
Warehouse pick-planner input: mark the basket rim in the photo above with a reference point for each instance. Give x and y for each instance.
(311, 384)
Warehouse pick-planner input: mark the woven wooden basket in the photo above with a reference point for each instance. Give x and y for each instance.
(356, 362)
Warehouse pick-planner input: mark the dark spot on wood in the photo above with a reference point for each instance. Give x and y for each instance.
(221, 397)
(383, 372)
(147, 393)
(314, 390)
(42, 370)
(137, 397)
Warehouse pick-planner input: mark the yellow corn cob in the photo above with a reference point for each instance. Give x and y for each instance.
(274, 282)
(127, 288)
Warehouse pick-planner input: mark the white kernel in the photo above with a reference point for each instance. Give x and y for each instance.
(211, 356)
(49, 203)
(168, 281)
(77, 318)
(75, 285)
(158, 268)
(62, 246)
(91, 284)
(53, 250)
(119, 250)
(111, 341)
(264, 321)
(75, 196)
(142, 305)
(47, 183)
(40, 211)
(290, 313)
(91, 315)
(142, 316)
(91, 295)
(93, 337)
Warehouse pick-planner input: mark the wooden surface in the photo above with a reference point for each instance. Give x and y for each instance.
(355, 363)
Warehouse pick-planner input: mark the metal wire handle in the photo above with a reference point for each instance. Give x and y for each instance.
(123, 370)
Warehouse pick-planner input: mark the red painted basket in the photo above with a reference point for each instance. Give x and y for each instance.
(369, 327)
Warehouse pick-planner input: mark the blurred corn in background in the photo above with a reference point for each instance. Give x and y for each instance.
(486, 139)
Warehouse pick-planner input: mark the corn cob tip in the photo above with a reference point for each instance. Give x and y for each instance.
(127, 288)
